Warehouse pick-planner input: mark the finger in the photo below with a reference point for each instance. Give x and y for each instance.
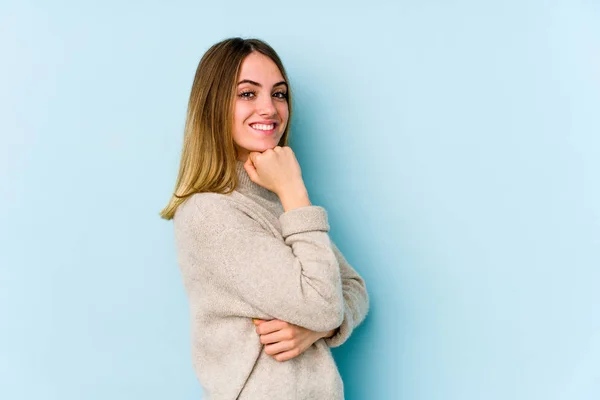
(270, 326)
(249, 162)
(250, 169)
(287, 355)
(276, 336)
(257, 321)
(278, 347)
(254, 156)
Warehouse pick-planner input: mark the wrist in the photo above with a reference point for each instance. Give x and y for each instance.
(331, 333)
(294, 196)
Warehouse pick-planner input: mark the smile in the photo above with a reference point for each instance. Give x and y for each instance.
(264, 129)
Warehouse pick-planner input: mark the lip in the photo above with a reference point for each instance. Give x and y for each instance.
(265, 122)
(262, 132)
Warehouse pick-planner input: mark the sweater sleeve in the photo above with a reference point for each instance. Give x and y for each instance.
(296, 280)
(356, 300)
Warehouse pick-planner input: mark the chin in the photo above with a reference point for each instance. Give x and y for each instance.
(267, 146)
(261, 146)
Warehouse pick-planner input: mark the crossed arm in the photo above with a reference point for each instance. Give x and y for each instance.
(284, 341)
(356, 300)
(304, 282)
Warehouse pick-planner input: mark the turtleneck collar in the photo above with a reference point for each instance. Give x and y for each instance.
(249, 188)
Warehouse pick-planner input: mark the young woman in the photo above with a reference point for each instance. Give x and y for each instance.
(269, 292)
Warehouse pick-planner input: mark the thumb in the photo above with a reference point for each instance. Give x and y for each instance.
(250, 169)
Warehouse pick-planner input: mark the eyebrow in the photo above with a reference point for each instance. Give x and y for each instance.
(259, 85)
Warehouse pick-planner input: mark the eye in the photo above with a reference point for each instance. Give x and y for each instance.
(245, 94)
(281, 95)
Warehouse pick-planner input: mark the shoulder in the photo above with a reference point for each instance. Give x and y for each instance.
(214, 210)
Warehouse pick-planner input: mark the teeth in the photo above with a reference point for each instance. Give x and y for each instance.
(263, 127)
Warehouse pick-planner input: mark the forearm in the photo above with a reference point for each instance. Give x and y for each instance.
(297, 280)
(329, 334)
(356, 301)
(294, 196)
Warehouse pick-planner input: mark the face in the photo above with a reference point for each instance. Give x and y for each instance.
(261, 107)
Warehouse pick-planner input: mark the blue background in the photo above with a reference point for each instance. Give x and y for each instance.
(455, 145)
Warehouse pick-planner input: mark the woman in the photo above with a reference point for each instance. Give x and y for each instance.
(269, 292)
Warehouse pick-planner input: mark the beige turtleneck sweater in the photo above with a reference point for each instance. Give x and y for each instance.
(242, 257)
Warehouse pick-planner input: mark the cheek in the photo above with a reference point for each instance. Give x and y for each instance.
(282, 110)
(241, 113)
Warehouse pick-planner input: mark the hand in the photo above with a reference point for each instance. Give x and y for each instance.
(285, 341)
(275, 169)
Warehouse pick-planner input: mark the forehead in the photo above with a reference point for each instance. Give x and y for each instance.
(260, 68)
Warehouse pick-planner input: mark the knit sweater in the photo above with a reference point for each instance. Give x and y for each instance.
(241, 257)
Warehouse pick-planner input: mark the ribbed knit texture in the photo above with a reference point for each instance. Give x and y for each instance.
(242, 257)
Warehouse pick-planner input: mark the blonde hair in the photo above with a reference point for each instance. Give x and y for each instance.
(208, 159)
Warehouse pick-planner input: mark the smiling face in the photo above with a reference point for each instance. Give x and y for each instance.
(261, 107)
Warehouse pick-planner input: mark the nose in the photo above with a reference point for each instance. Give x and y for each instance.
(265, 106)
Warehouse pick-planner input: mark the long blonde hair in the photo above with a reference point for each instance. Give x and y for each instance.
(208, 159)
